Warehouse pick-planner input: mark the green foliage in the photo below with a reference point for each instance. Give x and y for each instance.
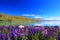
(6, 32)
(29, 37)
(24, 38)
(19, 38)
(12, 38)
(35, 37)
(52, 38)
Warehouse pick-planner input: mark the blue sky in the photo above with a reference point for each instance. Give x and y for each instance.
(37, 7)
(45, 9)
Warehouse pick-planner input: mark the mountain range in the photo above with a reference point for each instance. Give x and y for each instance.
(16, 20)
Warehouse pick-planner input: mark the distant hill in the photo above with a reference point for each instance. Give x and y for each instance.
(15, 20)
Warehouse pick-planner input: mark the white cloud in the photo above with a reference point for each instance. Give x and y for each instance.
(48, 18)
(32, 15)
(52, 18)
(38, 24)
(28, 15)
(37, 17)
(44, 18)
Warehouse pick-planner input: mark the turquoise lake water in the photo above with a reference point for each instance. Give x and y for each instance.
(47, 23)
(50, 23)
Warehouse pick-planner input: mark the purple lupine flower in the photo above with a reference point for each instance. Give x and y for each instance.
(44, 33)
(25, 33)
(8, 37)
(22, 34)
(55, 28)
(15, 36)
(38, 29)
(0, 36)
(58, 36)
(31, 31)
(12, 34)
(19, 31)
(3, 36)
(50, 33)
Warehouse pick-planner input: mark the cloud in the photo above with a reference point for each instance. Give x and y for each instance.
(52, 18)
(44, 18)
(37, 17)
(28, 15)
(38, 24)
(32, 15)
(48, 18)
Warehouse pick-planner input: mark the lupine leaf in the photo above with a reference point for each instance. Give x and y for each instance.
(24, 38)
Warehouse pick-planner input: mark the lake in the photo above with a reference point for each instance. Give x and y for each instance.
(49, 23)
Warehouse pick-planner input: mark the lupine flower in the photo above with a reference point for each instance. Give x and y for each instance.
(58, 36)
(50, 33)
(44, 33)
(0, 36)
(3, 36)
(16, 33)
(31, 31)
(8, 37)
(15, 36)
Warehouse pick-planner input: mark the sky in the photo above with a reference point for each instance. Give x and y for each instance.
(44, 9)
